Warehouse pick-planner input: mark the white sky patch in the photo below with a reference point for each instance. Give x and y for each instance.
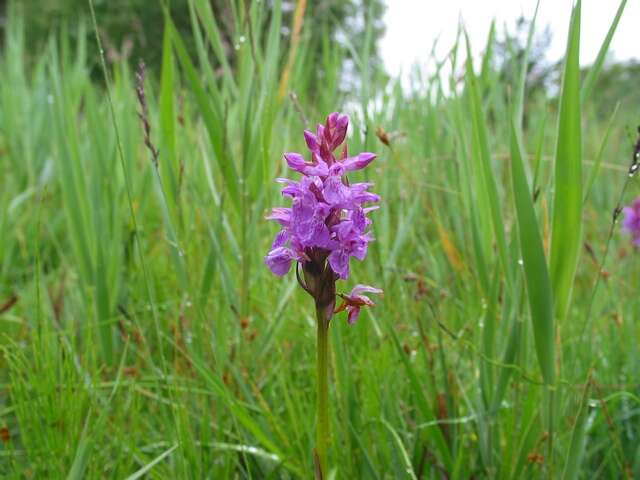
(413, 25)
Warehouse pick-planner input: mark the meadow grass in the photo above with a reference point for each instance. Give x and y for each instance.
(143, 337)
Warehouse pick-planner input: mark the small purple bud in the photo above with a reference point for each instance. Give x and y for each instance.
(340, 132)
(332, 120)
(312, 141)
(343, 121)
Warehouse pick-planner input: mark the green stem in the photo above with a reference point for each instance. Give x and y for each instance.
(549, 393)
(322, 432)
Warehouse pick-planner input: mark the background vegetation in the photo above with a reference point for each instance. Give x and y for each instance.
(142, 335)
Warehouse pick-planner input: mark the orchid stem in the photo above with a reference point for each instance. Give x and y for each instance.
(322, 432)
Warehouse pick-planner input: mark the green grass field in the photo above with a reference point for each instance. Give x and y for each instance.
(142, 335)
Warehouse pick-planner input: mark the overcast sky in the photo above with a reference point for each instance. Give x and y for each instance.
(412, 26)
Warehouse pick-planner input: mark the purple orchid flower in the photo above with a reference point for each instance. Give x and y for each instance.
(631, 223)
(327, 223)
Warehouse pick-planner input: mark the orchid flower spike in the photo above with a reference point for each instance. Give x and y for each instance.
(327, 223)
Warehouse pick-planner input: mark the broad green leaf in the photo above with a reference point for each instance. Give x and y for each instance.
(535, 264)
(488, 186)
(566, 234)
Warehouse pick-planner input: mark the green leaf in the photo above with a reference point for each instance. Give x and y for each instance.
(597, 165)
(534, 263)
(578, 438)
(147, 468)
(487, 186)
(81, 458)
(168, 117)
(524, 67)
(567, 203)
(403, 451)
(422, 403)
(595, 69)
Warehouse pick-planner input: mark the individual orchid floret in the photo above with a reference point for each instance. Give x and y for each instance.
(631, 223)
(355, 300)
(299, 164)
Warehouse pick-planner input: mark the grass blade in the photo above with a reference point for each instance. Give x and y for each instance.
(597, 165)
(147, 468)
(488, 185)
(566, 231)
(405, 456)
(534, 263)
(594, 71)
(578, 438)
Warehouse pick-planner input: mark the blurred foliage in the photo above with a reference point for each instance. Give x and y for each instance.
(616, 83)
(510, 51)
(132, 29)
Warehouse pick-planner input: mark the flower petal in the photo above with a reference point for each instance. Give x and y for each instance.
(280, 215)
(359, 161)
(312, 141)
(295, 161)
(359, 220)
(279, 260)
(280, 240)
(339, 262)
(335, 192)
(360, 289)
(340, 131)
(354, 313)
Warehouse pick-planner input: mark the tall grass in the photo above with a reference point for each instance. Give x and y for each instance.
(143, 336)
